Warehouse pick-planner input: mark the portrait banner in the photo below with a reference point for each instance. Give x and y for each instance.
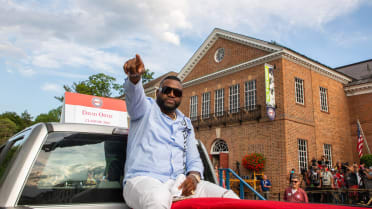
(270, 91)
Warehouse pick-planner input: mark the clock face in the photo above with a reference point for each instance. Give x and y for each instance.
(220, 53)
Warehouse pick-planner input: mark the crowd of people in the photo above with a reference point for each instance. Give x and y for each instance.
(342, 183)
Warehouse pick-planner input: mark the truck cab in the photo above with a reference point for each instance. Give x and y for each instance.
(57, 165)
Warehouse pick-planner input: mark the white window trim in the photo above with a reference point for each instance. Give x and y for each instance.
(218, 51)
(219, 142)
(302, 91)
(327, 151)
(216, 98)
(193, 107)
(206, 105)
(247, 99)
(302, 154)
(323, 93)
(234, 96)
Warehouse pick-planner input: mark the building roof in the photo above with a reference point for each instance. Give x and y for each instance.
(153, 85)
(359, 87)
(358, 71)
(358, 82)
(361, 72)
(275, 51)
(157, 80)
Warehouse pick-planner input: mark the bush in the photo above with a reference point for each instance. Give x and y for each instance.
(255, 162)
(366, 159)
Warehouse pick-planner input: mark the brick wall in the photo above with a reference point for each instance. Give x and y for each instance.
(332, 127)
(234, 54)
(278, 139)
(360, 108)
(327, 127)
(264, 137)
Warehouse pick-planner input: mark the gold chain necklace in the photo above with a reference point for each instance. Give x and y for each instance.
(174, 116)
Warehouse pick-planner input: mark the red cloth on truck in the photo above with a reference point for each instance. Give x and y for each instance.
(226, 203)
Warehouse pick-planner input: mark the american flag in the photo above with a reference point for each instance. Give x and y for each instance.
(360, 142)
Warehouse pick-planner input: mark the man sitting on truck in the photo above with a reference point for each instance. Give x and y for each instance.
(162, 157)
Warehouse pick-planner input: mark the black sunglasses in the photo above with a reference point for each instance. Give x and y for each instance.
(294, 181)
(167, 90)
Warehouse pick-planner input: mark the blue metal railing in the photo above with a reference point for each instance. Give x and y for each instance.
(242, 182)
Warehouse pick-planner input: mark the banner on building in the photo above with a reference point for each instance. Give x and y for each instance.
(270, 91)
(82, 108)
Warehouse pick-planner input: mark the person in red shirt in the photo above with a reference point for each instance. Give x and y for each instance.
(294, 193)
(338, 184)
(338, 179)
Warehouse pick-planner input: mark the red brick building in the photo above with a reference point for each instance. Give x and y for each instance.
(316, 106)
(225, 96)
(359, 93)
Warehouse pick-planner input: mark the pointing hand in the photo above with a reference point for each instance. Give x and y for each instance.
(134, 68)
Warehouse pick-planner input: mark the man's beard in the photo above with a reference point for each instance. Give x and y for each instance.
(166, 108)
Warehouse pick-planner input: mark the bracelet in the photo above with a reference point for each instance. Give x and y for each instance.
(197, 177)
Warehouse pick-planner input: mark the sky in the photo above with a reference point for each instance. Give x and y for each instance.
(45, 44)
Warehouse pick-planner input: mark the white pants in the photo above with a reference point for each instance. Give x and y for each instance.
(145, 192)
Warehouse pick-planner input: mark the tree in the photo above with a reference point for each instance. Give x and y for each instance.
(366, 159)
(21, 122)
(101, 85)
(56, 113)
(26, 118)
(53, 115)
(147, 76)
(7, 129)
(13, 116)
(97, 85)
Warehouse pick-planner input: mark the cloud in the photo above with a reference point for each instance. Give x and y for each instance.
(46, 60)
(270, 15)
(64, 74)
(52, 87)
(171, 37)
(349, 39)
(96, 35)
(57, 53)
(106, 23)
(9, 50)
(26, 72)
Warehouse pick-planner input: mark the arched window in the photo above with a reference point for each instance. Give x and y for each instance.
(219, 146)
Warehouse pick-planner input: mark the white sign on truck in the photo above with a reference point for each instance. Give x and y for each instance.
(82, 108)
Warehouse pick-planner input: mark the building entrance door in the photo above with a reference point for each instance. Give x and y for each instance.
(220, 154)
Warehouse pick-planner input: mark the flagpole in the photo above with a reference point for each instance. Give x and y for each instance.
(365, 139)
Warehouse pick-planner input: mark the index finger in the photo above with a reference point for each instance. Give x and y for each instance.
(138, 60)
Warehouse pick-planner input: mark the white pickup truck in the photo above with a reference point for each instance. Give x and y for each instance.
(56, 165)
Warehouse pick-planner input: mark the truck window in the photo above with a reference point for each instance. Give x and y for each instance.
(8, 153)
(77, 168)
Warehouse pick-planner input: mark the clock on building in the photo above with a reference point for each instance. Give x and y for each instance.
(220, 53)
